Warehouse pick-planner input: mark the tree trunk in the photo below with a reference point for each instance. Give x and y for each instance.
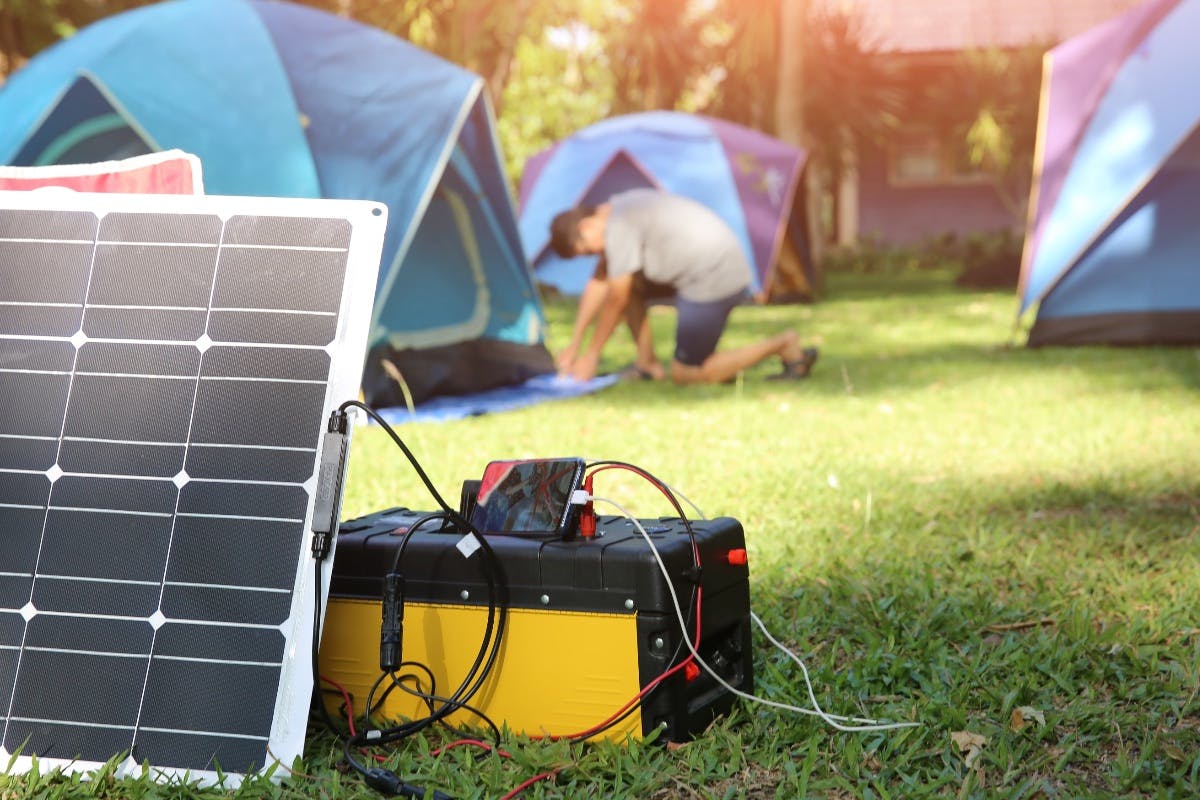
(9, 46)
(845, 200)
(789, 113)
(497, 79)
(789, 106)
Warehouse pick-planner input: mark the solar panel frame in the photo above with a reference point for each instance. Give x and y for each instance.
(157, 591)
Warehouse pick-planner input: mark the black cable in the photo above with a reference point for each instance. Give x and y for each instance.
(431, 697)
(691, 607)
(469, 686)
(403, 447)
(467, 689)
(383, 780)
(497, 609)
(397, 680)
(498, 596)
(456, 519)
(496, 617)
(462, 524)
(486, 657)
(322, 711)
(387, 782)
(489, 650)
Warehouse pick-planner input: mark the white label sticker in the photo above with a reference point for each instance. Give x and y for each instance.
(468, 545)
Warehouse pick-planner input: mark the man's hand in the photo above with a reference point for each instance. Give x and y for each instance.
(609, 299)
(584, 368)
(565, 358)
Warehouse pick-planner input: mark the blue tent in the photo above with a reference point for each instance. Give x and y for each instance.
(747, 178)
(1112, 253)
(281, 100)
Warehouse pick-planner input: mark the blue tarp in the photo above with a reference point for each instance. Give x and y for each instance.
(538, 389)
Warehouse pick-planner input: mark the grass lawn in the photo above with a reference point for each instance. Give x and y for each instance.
(982, 539)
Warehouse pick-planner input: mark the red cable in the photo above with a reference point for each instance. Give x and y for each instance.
(699, 593)
(675, 503)
(346, 700)
(649, 478)
(350, 715)
(545, 776)
(586, 733)
(656, 681)
(645, 689)
(599, 726)
(658, 485)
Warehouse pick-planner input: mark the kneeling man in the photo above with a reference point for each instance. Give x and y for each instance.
(653, 244)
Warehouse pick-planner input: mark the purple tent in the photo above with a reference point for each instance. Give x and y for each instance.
(749, 179)
(1110, 253)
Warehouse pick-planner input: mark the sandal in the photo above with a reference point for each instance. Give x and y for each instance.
(798, 369)
(635, 373)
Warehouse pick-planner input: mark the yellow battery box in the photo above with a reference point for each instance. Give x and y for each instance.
(590, 623)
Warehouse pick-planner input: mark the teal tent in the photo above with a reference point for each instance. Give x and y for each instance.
(281, 100)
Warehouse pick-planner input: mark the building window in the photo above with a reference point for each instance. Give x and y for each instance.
(926, 158)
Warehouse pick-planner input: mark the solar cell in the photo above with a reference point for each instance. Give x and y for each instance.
(167, 366)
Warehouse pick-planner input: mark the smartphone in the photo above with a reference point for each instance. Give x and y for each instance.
(530, 496)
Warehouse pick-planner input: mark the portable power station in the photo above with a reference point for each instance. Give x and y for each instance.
(590, 622)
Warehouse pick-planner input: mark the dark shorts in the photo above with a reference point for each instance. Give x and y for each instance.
(700, 326)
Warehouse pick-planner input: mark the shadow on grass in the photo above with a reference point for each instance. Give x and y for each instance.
(868, 353)
(855, 373)
(953, 364)
(1061, 631)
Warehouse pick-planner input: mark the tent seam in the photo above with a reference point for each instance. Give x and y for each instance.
(1120, 209)
(423, 205)
(1100, 89)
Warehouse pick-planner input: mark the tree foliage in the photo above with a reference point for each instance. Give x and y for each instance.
(989, 102)
(1001, 139)
(654, 49)
(560, 82)
(481, 35)
(29, 26)
(554, 66)
(850, 91)
(747, 59)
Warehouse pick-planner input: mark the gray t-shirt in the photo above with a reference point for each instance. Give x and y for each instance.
(675, 241)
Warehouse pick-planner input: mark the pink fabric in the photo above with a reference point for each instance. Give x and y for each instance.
(173, 172)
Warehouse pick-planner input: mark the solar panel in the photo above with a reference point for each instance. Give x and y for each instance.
(167, 367)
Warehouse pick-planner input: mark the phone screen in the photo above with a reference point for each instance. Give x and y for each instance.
(527, 496)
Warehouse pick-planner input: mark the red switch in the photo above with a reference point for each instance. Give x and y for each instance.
(691, 671)
(737, 557)
(587, 517)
